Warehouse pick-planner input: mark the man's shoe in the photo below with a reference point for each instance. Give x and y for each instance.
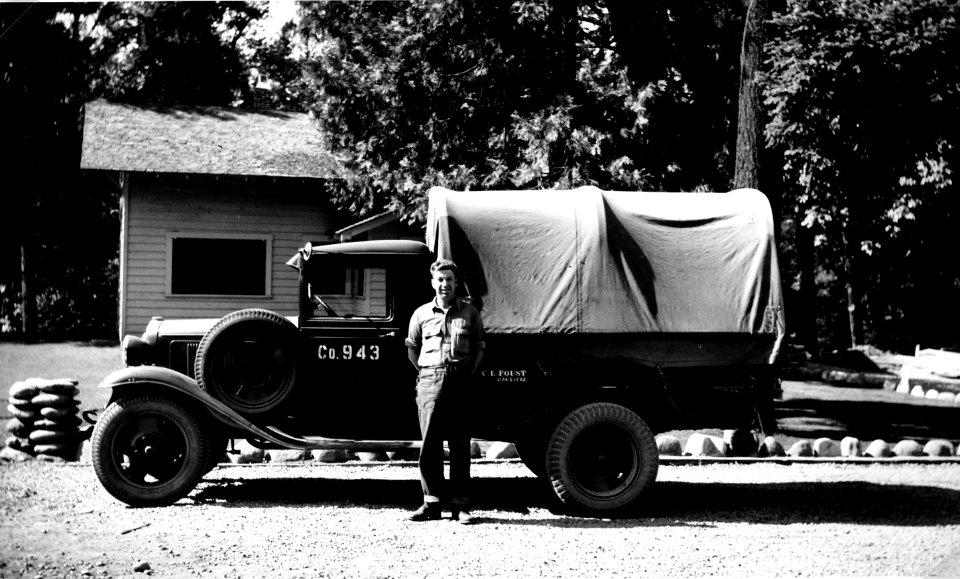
(425, 513)
(463, 517)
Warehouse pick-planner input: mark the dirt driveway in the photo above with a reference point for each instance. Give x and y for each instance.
(320, 520)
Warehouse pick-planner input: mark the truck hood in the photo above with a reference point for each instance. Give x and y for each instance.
(195, 326)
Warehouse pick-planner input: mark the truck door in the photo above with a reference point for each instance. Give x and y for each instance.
(357, 366)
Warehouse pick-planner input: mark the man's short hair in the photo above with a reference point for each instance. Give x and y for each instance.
(441, 264)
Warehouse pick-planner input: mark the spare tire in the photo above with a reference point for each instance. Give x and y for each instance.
(248, 361)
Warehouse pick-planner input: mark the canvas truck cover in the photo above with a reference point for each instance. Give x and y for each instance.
(587, 261)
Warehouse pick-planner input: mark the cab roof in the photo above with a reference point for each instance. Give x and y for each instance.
(376, 247)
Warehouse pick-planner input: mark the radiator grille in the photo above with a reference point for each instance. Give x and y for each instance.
(182, 356)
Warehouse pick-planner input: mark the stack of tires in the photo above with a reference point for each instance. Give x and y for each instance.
(45, 422)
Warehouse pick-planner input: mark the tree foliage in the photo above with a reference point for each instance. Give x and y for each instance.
(861, 98)
(864, 103)
(276, 62)
(172, 52)
(52, 227)
(59, 246)
(515, 95)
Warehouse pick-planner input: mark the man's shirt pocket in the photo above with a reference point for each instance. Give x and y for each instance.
(461, 336)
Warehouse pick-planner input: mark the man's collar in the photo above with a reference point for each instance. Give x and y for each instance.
(438, 306)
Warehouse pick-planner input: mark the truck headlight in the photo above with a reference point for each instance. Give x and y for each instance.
(136, 352)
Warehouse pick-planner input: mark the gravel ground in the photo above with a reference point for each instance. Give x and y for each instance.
(320, 520)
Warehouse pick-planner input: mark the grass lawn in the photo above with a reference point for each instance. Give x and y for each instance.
(77, 360)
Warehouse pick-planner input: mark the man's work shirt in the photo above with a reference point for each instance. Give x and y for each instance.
(445, 338)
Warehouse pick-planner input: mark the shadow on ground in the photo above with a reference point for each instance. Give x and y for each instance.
(668, 504)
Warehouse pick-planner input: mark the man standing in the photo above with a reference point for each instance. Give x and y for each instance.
(445, 344)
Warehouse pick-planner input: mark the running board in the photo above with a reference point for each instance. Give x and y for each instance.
(320, 443)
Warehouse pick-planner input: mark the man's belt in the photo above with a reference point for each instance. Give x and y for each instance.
(444, 368)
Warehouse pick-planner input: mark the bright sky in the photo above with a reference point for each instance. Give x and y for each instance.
(279, 12)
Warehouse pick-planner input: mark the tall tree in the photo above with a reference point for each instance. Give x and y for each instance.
(42, 89)
(523, 94)
(173, 52)
(864, 99)
(58, 252)
(750, 122)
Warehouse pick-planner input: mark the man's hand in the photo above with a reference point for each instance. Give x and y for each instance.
(476, 362)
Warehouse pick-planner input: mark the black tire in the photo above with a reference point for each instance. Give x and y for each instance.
(248, 361)
(601, 458)
(149, 452)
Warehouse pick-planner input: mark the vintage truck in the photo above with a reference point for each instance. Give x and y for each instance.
(610, 317)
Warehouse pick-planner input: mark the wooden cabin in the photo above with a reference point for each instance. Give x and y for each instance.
(213, 203)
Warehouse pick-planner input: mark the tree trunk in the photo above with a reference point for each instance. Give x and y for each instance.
(805, 314)
(852, 294)
(749, 122)
(28, 302)
(566, 25)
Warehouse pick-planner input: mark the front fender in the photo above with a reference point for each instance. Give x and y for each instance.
(122, 382)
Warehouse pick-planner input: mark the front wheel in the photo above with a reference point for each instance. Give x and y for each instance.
(601, 457)
(149, 452)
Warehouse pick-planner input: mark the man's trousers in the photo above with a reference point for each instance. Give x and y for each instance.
(441, 401)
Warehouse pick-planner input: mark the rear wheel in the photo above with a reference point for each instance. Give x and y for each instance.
(149, 452)
(248, 361)
(601, 457)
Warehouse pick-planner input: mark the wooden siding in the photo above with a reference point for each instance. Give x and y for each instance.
(291, 211)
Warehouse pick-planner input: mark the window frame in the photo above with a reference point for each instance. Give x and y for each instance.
(267, 238)
(367, 266)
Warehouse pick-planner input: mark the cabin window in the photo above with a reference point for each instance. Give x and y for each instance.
(220, 264)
